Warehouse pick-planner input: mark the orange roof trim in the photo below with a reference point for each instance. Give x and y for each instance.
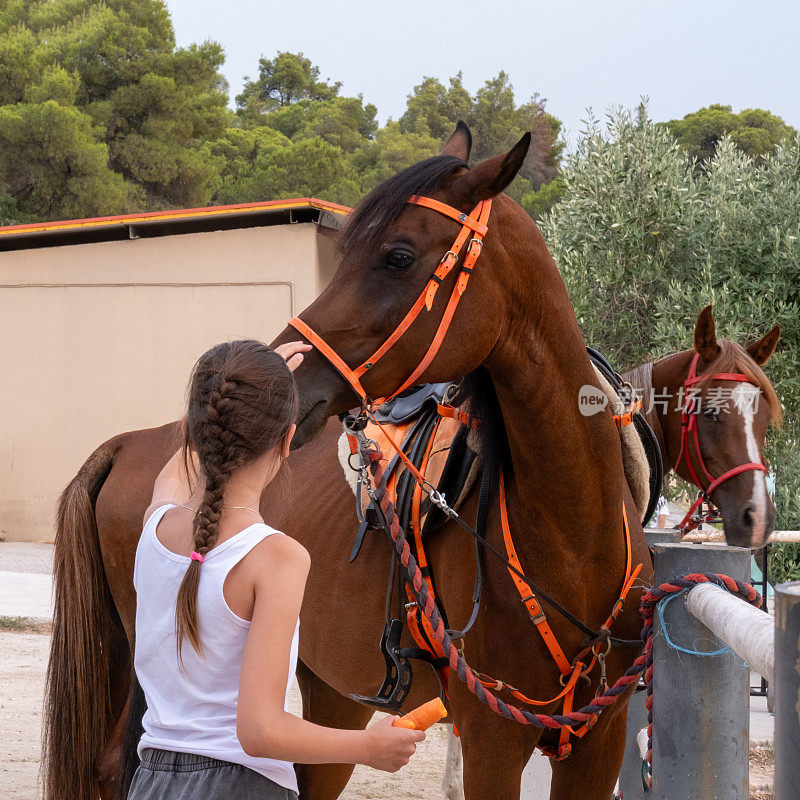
(177, 214)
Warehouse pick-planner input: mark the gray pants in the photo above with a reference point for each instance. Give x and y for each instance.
(164, 775)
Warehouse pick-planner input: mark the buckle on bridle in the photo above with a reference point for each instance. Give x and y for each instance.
(478, 242)
(447, 255)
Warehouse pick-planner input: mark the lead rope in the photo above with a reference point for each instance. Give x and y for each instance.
(587, 715)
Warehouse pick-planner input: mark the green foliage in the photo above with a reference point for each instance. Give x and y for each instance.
(56, 84)
(784, 563)
(755, 132)
(434, 110)
(138, 106)
(497, 123)
(153, 120)
(391, 151)
(10, 214)
(644, 242)
(344, 122)
(538, 202)
(282, 81)
(65, 171)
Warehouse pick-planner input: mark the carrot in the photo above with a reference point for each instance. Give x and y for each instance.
(422, 718)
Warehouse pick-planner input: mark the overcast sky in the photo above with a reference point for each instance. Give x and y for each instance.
(683, 54)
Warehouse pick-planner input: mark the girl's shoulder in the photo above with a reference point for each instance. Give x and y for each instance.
(279, 552)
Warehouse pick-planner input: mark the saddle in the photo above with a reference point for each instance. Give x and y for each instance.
(438, 438)
(431, 434)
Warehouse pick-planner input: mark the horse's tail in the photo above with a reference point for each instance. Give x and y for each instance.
(77, 706)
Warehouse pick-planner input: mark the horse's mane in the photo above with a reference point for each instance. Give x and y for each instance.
(384, 204)
(732, 357)
(477, 394)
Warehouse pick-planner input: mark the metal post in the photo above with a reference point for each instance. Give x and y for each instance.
(630, 776)
(701, 719)
(787, 691)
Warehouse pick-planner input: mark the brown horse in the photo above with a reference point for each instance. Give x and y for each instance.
(730, 432)
(516, 339)
(726, 441)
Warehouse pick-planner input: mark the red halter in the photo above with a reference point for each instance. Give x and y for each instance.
(689, 434)
(474, 223)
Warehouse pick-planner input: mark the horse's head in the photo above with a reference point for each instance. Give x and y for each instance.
(390, 249)
(720, 437)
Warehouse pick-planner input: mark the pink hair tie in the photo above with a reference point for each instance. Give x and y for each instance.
(197, 557)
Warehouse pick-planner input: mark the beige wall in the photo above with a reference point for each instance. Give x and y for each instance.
(100, 338)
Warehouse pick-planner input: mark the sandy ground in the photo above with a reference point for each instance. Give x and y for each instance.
(23, 657)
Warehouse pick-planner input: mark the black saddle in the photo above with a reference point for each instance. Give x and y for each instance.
(411, 404)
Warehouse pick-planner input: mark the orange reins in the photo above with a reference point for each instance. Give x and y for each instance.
(476, 225)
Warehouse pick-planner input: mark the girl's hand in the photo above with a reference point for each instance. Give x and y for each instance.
(390, 748)
(292, 353)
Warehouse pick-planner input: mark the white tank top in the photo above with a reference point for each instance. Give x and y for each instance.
(194, 710)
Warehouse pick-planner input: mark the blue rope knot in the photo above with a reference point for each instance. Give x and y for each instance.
(662, 604)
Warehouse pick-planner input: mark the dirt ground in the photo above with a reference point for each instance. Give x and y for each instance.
(23, 658)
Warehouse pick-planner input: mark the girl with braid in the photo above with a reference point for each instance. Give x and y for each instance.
(218, 600)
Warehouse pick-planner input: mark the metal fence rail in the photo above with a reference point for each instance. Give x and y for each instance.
(701, 709)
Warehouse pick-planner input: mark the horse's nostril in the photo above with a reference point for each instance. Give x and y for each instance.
(748, 516)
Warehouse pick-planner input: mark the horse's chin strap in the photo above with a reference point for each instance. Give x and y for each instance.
(689, 436)
(474, 227)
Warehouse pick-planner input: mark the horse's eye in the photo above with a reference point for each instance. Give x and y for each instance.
(398, 259)
(711, 413)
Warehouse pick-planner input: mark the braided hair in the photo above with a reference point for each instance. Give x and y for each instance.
(242, 401)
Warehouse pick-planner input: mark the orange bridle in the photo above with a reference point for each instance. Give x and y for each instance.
(473, 227)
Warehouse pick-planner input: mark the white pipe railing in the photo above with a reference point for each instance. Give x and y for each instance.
(777, 537)
(748, 631)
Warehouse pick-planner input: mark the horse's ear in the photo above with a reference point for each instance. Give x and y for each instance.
(460, 143)
(491, 177)
(762, 350)
(705, 335)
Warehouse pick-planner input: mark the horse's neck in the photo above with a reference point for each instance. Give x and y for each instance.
(567, 468)
(667, 377)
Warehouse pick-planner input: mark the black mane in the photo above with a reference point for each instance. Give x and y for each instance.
(476, 393)
(384, 204)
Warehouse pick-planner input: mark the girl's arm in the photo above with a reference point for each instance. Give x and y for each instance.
(279, 573)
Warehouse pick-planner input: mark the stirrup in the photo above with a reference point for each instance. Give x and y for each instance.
(399, 675)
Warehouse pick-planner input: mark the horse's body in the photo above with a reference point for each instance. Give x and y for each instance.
(565, 487)
(725, 443)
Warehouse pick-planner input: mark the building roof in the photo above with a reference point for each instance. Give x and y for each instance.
(166, 223)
